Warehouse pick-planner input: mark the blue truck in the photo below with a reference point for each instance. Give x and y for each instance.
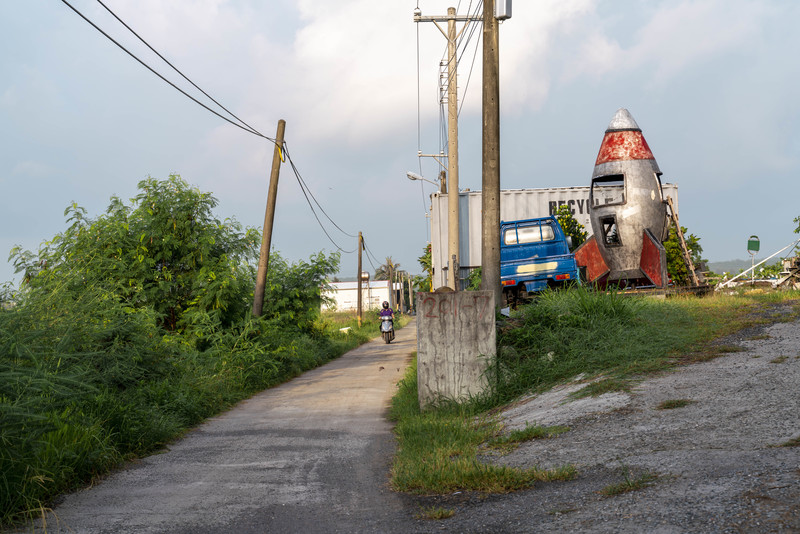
(534, 255)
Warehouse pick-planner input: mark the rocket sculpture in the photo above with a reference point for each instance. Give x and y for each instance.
(629, 213)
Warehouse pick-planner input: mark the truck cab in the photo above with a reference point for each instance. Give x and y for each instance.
(534, 255)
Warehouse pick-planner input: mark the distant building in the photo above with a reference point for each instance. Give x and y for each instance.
(345, 295)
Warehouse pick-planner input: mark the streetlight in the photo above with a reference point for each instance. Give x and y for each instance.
(414, 176)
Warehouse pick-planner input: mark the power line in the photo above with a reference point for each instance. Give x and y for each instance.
(303, 184)
(148, 67)
(306, 194)
(176, 68)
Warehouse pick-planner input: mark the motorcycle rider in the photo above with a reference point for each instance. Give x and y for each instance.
(386, 311)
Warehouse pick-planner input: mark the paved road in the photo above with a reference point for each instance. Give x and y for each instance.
(311, 455)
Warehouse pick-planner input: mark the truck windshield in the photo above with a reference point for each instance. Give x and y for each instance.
(528, 234)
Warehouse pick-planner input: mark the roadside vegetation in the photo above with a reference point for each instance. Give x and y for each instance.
(609, 340)
(136, 325)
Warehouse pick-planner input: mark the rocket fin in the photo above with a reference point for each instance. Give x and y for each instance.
(589, 259)
(653, 262)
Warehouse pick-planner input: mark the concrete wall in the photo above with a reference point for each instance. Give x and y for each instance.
(455, 344)
(345, 295)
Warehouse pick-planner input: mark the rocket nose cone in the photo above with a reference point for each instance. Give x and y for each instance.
(622, 120)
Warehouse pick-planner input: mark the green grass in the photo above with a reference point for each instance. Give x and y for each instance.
(629, 483)
(509, 441)
(779, 359)
(673, 404)
(601, 387)
(560, 336)
(435, 513)
(438, 450)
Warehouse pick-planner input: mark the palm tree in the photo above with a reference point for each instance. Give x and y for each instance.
(382, 272)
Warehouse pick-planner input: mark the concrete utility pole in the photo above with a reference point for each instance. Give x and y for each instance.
(452, 137)
(490, 197)
(358, 277)
(269, 217)
(452, 150)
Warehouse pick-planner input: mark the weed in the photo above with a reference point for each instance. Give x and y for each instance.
(435, 513)
(779, 359)
(760, 337)
(674, 403)
(794, 442)
(562, 511)
(629, 483)
(601, 387)
(511, 440)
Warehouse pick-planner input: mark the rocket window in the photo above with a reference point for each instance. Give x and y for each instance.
(610, 232)
(608, 189)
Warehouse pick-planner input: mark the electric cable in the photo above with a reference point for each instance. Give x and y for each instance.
(176, 68)
(303, 184)
(368, 258)
(306, 193)
(148, 67)
(369, 253)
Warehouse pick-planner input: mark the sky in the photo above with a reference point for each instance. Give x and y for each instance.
(712, 83)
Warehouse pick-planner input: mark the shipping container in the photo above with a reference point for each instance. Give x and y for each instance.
(515, 204)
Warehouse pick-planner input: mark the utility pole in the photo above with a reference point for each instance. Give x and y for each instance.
(358, 277)
(410, 293)
(391, 284)
(269, 217)
(452, 137)
(452, 150)
(490, 197)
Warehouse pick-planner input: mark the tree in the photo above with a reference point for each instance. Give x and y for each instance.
(165, 251)
(382, 272)
(425, 283)
(676, 266)
(572, 228)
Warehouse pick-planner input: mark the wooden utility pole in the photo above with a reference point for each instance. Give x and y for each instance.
(490, 197)
(402, 279)
(391, 284)
(269, 217)
(410, 293)
(358, 277)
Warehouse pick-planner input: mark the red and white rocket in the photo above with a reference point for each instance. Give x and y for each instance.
(629, 213)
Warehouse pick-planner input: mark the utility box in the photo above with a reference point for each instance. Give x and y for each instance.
(502, 9)
(455, 344)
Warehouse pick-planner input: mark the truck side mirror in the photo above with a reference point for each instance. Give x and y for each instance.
(569, 242)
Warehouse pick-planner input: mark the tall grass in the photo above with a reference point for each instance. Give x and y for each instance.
(87, 382)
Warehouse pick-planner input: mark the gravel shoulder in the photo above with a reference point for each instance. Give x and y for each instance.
(718, 462)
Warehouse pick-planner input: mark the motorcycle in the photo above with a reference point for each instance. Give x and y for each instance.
(387, 328)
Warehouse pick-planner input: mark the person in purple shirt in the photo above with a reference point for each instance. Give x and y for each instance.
(386, 311)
